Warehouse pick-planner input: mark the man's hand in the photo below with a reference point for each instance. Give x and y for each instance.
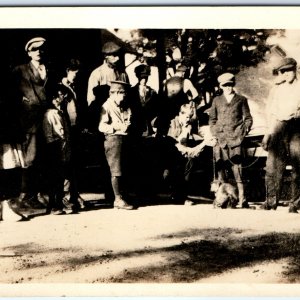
(122, 128)
(195, 151)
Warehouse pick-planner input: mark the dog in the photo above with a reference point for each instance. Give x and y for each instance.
(225, 195)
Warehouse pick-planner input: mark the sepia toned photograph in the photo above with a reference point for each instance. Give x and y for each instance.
(146, 151)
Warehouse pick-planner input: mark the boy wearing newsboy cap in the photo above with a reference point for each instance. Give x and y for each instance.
(230, 120)
(115, 121)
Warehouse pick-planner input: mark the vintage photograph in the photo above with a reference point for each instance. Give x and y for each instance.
(148, 155)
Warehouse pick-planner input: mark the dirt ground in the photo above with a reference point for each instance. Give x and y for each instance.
(153, 244)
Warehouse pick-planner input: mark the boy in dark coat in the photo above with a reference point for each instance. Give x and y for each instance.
(230, 120)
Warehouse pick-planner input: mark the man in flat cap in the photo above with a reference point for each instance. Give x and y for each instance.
(115, 123)
(230, 120)
(100, 79)
(282, 139)
(29, 85)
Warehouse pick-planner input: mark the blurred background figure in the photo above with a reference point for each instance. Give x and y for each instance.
(143, 101)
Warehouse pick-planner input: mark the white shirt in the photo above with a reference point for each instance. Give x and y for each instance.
(229, 97)
(283, 103)
(40, 68)
(112, 117)
(103, 75)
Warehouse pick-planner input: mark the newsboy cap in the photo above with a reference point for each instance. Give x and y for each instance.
(119, 85)
(285, 63)
(226, 78)
(110, 48)
(142, 71)
(35, 42)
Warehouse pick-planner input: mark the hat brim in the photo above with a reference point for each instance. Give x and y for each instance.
(119, 84)
(226, 82)
(35, 45)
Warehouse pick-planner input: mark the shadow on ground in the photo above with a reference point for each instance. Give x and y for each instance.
(212, 252)
(218, 251)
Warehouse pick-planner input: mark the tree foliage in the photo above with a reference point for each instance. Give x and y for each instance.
(220, 50)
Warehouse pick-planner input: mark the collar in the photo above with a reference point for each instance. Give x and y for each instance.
(229, 97)
(66, 82)
(36, 64)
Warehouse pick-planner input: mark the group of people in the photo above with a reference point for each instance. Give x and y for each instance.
(44, 114)
(39, 159)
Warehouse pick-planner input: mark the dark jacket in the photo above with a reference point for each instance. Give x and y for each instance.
(10, 126)
(31, 92)
(230, 122)
(143, 110)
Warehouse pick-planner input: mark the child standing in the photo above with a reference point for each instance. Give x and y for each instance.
(56, 129)
(114, 123)
(230, 121)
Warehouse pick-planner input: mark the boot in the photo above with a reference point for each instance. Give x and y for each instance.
(270, 203)
(242, 200)
(265, 206)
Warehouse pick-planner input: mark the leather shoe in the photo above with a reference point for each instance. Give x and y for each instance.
(121, 204)
(189, 203)
(58, 212)
(265, 206)
(244, 204)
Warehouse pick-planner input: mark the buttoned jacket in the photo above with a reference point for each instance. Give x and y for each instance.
(230, 122)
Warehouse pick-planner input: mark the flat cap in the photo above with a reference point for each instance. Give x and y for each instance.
(35, 42)
(142, 71)
(285, 63)
(226, 78)
(110, 47)
(119, 85)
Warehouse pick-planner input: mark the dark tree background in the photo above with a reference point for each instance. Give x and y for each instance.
(220, 49)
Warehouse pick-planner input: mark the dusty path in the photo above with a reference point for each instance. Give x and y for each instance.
(154, 244)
